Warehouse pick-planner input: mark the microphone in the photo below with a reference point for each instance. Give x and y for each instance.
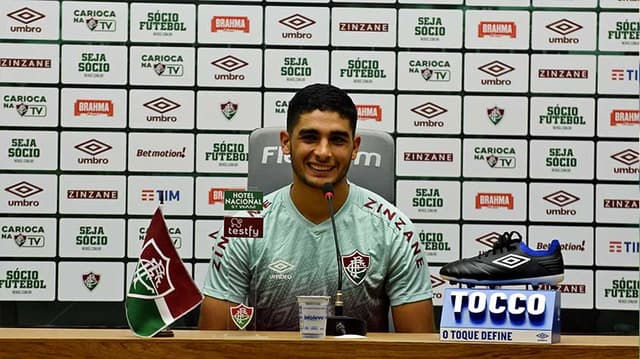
(338, 324)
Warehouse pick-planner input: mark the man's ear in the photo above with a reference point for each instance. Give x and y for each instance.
(356, 147)
(285, 142)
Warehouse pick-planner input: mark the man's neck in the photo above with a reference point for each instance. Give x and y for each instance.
(311, 203)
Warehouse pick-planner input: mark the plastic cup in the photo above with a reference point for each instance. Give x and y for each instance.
(312, 311)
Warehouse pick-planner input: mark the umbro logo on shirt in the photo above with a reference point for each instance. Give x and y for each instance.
(281, 268)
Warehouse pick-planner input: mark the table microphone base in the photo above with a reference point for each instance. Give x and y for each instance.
(341, 325)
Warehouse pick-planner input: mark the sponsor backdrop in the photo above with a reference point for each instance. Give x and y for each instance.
(507, 115)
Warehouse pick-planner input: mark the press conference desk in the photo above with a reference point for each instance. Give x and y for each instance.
(121, 344)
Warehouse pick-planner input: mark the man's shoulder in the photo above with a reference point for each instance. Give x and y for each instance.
(270, 202)
(378, 208)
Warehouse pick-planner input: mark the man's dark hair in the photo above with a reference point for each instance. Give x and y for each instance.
(321, 97)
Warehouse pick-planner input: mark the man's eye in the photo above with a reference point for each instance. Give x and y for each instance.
(339, 140)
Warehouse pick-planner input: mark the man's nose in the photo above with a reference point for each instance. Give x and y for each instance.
(323, 149)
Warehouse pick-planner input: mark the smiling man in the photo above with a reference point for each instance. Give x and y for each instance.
(296, 255)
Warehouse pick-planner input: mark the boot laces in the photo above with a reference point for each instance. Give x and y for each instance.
(506, 241)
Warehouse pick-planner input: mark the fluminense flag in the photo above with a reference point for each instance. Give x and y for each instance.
(161, 290)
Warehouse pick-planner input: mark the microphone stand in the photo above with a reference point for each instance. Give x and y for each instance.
(339, 324)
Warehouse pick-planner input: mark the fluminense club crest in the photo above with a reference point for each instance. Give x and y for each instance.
(151, 279)
(91, 280)
(159, 68)
(427, 73)
(229, 109)
(355, 266)
(91, 23)
(22, 109)
(20, 239)
(241, 315)
(495, 114)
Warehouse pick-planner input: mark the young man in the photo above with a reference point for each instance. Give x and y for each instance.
(296, 255)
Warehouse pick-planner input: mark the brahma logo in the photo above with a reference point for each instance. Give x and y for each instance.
(429, 156)
(229, 64)
(369, 112)
(355, 266)
(428, 110)
(494, 200)
(25, 63)
(624, 117)
(563, 73)
(497, 29)
(364, 27)
(230, 24)
(496, 69)
(93, 107)
(25, 16)
(621, 203)
(216, 195)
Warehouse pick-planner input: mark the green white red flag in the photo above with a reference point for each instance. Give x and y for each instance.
(161, 291)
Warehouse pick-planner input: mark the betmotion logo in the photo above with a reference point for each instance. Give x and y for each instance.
(96, 20)
(296, 22)
(25, 16)
(161, 105)
(496, 69)
(369, 112)
(23, 190)
(428, 110)
(563, 27)
(230, 24)
(561, 199)
(26, 105)
(229, 64)
(93, 147)
(497, 29)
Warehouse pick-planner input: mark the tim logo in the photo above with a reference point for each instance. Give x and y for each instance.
(160, 195)
(355, 266)
(624, 75)
(497, 29)
(25, 16)
(615, 246)
(369, 112)
(494, 200)
(230, 24)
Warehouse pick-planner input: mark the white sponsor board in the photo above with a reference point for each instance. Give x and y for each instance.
(494, 158)
(210, 193)
(562, 116)
(180, 231)
(429, 199)
(367, 70)
(27, 281)
(577, 289)
(576, 242)
(29, 150)
(617, 161)
(95, 21)
(174, 194)
(429, 71)
(30, 20)
(228, 110)
(566, 4)
(28, 237)
(486, 72)
(430, 28)
(375, 111)
(563, 30)
(478, 238)
(618, 75)
(295, 68)
(619, 31)
(429, 114)
(93, 151)
(161, 109)
(496, 29)
(105, 65)
(305, 26)
(494, 201)
(563, 74)
(434, 157)
(93, 108)
(618, 117)
(227, 67)
(440, 241)
(91, 281)
(92, 194)
(438, 285)
(495, 115)
(617, 203)
(28, 193)
(222, 153)
(30, 63)
(207, 238)
(617, 290)
(561, 159)
(275, 108)
(498, 2)
(361, 27)
(161, 152)
(29, 106)
(561, 202)
(619, 4)
(230, 24)
(162, 66)
(92, 237)
(617, 246)
(163, 23)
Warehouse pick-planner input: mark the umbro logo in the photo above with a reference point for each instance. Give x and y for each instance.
(564, 27)
(229, 63)
(25, 15)
(161, 105)
(93, 147)
(296, 22)
(628, 157)
(561, 198)
(429, 110)
(511, 260)
(496, 68)
(281, 266)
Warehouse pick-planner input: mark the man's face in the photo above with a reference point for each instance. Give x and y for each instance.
(321, 147)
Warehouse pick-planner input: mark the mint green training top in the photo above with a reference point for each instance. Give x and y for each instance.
(383, 261)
